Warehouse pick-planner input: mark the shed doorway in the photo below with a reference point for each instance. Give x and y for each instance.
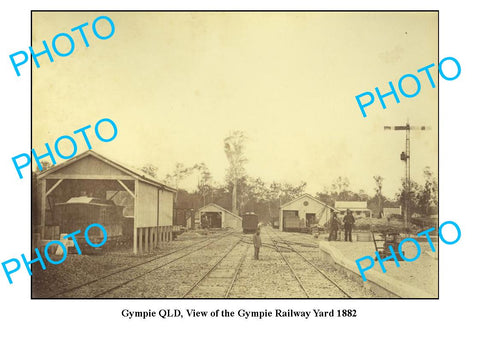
(211, 219)
(310, 219)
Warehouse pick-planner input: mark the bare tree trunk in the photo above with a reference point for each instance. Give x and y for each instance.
(234, 197)
(380, 204)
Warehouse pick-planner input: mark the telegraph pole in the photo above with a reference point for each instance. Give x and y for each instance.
(405, 156)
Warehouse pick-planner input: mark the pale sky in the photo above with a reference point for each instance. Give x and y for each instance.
(176, 84)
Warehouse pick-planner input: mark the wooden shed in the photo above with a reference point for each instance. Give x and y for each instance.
(215, 216)
(304, 212)
(93, 175)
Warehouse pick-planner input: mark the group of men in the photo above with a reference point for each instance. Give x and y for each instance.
(335, 225)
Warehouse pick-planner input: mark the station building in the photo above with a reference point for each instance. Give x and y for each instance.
(358, 208)
(304, 212)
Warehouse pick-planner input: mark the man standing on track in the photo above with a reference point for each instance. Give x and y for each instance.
(349, 220)
(257, 243)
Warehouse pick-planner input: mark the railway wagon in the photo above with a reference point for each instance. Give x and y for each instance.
(249, 223)
(80, 212)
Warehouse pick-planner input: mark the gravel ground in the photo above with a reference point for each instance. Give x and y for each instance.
(182, 266)
(80, 269)
(270, 277)
(176, 278)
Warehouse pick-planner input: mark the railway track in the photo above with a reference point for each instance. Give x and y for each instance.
(235, 276)
(136, 271)
(295, 274)
(230, 280)
(292, 271)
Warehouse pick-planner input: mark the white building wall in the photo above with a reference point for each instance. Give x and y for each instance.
(321, 211)
(165, 208)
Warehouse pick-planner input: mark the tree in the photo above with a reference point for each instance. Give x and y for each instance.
(45, 165)
(428, 196)
(150, 170)
(290, 192)
(378, 192)
(362, 195)
(204, 184)
(234, 150)
(415, 189)
(178, 175)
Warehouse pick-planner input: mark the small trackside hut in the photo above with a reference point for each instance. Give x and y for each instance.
(214, 216)
(303, 213)
(145, 204)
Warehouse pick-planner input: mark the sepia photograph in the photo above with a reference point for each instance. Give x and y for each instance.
(235, 154)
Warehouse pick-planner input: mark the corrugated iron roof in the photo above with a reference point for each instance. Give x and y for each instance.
(351, 204)
(220, 208)
(310, 197)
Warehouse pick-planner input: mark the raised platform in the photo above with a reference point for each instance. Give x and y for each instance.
(380, 283)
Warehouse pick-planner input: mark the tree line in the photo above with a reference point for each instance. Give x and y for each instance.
(241, 193)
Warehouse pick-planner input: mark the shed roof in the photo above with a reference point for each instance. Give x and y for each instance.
(135, 173)
(351, 205)
(306, 196)
(219, 208)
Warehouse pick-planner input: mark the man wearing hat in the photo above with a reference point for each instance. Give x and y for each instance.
(349, 221)
(334, 225)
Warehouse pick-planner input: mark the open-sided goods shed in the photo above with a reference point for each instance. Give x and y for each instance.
(93, 175)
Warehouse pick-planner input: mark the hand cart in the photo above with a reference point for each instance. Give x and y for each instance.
(389, 237)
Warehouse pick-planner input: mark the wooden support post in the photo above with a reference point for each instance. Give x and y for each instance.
(170, 238)
(156, 237)
(146, 240)
(43, 206)
(135, 217)
(151, 239)
(135, 240)
(145, 230)
(140, 240)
